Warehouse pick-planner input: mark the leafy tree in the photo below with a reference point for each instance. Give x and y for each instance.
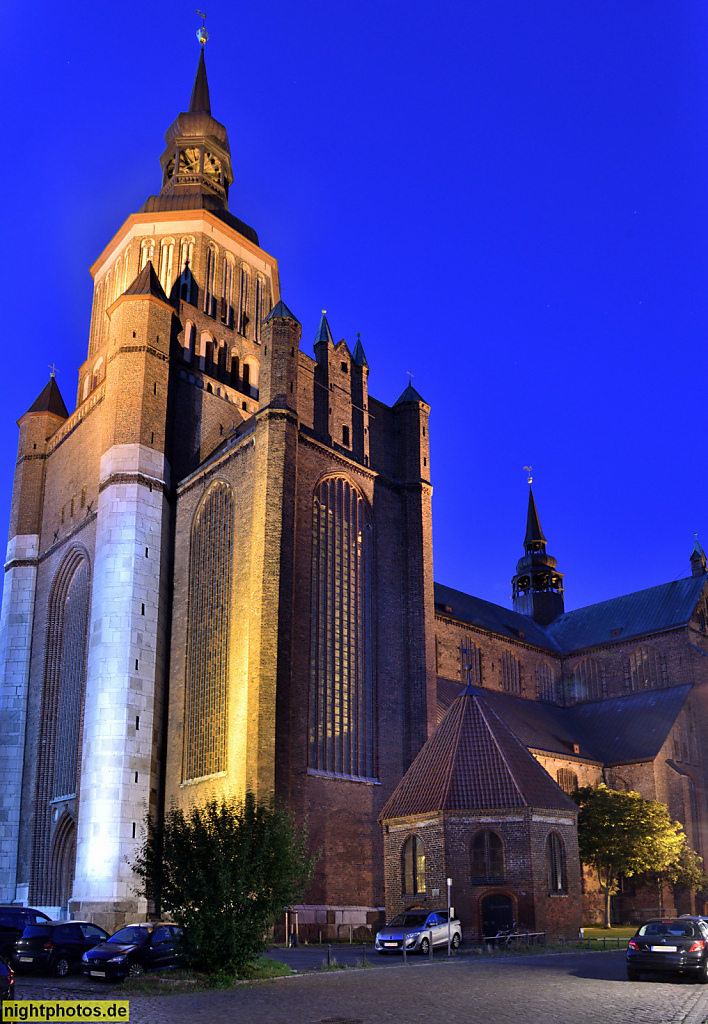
(224, 871)
(623, 832)
(684, 872)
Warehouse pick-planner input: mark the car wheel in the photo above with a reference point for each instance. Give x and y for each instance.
(136, 970)
(424, 947)
(632, 974)
(61, 967)
(456, 941)
(703, 974)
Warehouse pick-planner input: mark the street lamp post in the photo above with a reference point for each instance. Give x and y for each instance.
(449, 925)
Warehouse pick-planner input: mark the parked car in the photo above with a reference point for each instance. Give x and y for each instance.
(7, 981)
(417, 926)
(134, 950)
(13, 921)
(674, 945)
(56, 946)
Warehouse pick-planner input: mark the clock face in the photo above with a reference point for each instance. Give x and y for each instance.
(212, 167)
(189, 160)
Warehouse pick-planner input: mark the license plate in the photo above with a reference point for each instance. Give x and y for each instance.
(97, 974)
(27, 959)
(390, 943)
(664, 949)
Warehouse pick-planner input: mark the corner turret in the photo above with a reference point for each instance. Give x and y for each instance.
(699, 567)
(537, 587)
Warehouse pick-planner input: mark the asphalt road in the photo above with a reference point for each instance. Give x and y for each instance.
(567, 988)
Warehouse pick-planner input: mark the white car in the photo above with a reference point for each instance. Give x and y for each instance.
(418, 927)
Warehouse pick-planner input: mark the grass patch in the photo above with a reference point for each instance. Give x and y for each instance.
(333, 965)
(165, 983)
(623, 931)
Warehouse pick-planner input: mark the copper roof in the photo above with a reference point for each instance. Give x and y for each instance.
(473, 761)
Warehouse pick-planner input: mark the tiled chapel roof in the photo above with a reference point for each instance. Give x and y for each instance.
(618, 730)
(646, 611)
(473, 761)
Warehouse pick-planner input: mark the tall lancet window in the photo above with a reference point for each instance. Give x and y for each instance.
(227, 294)
(209, 300)
(342, 686)
(243, 301)
(167, 252)
(62, 713)
(207, 682)
(147, 251)
(259, 308)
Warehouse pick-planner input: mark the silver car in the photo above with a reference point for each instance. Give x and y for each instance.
(418, 927)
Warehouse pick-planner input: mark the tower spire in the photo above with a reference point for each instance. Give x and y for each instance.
(537, 587)
(199, 101)
(699, 565)
(534, 539)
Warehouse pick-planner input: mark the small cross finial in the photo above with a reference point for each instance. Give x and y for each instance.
(202, 34)
(410, 375)
(53, 370)
(527, 469)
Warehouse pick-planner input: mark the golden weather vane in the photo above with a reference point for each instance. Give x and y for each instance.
(527, 469)
(202, 34)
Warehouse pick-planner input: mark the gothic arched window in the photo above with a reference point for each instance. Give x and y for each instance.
(167, 251)
(587, 681)
(207, 681)
(233, 379)
(342, 698)
(645, 668)
(209, 299)
(413, 866)
(567, 780)
(555, 864)
(62, 711)
(487, 859)
(470, 662)
(243, 301)
(510, 672)
(227, 293)
(259, 308)
(147, 251)
(546, 682)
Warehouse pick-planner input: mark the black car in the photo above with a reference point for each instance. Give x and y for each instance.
(13, 921)
(56, 946)
(134, 950)
(7, 981)
(671, 945)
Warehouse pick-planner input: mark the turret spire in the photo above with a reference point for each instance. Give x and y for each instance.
(200, 102)
(534, 539)
(537, 587)
(699, 566)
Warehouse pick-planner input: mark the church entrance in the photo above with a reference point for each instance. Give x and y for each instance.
(497, 914)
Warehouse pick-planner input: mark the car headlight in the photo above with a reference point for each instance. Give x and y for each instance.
(84, 958)
(411, 936)
(118, 959)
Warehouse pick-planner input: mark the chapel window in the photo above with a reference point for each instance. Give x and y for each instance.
(234, 370)
(413, 866)
(243, 301)
(342, 697)
(546, 688)
(587, 681)
(209, 299)
(510, 672)
(555, 864)
(567, 780)
(487, 859)
(167, 251)
(470, 662)
(645, 668)
(246, 383)
(259, 308)
(147, 250)
(207, 683)
(227, 294)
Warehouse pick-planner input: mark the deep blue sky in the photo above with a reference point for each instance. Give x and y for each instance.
(506, 198)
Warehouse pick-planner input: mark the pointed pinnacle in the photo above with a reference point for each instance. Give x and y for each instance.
(200, 90)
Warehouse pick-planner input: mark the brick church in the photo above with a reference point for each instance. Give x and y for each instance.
(219, 578)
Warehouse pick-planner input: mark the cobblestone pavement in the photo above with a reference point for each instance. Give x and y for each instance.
(572, 988)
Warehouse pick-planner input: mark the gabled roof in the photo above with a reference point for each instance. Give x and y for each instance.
(409, 395)
(492, 617)
(147, 283)
(49, 400)
(473, 761)
(281, 312)
(646, 611)
(618, 730)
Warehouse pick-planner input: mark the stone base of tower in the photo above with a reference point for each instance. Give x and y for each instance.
(109, 914)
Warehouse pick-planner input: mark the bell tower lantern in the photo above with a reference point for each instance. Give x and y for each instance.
(537, 586)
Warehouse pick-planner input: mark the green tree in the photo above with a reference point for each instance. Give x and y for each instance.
(224, 871)
(684, 872)
(623, 832)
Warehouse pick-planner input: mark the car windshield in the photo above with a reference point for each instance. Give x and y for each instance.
(681, 929)
(32, 931)
(131, 936)
(409, 921)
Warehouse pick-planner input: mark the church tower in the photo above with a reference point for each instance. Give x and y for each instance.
(537, 586)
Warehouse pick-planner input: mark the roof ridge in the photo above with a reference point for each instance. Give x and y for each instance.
(503, 756)
(632, 593)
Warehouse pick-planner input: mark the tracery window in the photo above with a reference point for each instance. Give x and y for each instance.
(227, 294)
(209, 299)
(470, 662)
(413, 866)
(342, 697)
(546, 682)
(645, 668)
(587, 681)
(555, 864)
(567, 780)
(233, 380)
(259, 308)
(510, 672)
(206, 695)
(147, 251)
(487, 859)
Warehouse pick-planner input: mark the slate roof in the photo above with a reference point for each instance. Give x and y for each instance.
(533, 523)
(323, 331)
(646, 611)
(358, 356)
(618, 730)
(493, 617)
(49, 400)
(473, 761)
(147, 283)
(409, 395)
(281, 311)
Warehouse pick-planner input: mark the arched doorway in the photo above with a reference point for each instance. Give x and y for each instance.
(63, 861)
(497, 913)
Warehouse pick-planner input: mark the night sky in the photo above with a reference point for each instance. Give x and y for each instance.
(507, 199)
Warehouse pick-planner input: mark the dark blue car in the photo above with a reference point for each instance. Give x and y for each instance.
(132, 951)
